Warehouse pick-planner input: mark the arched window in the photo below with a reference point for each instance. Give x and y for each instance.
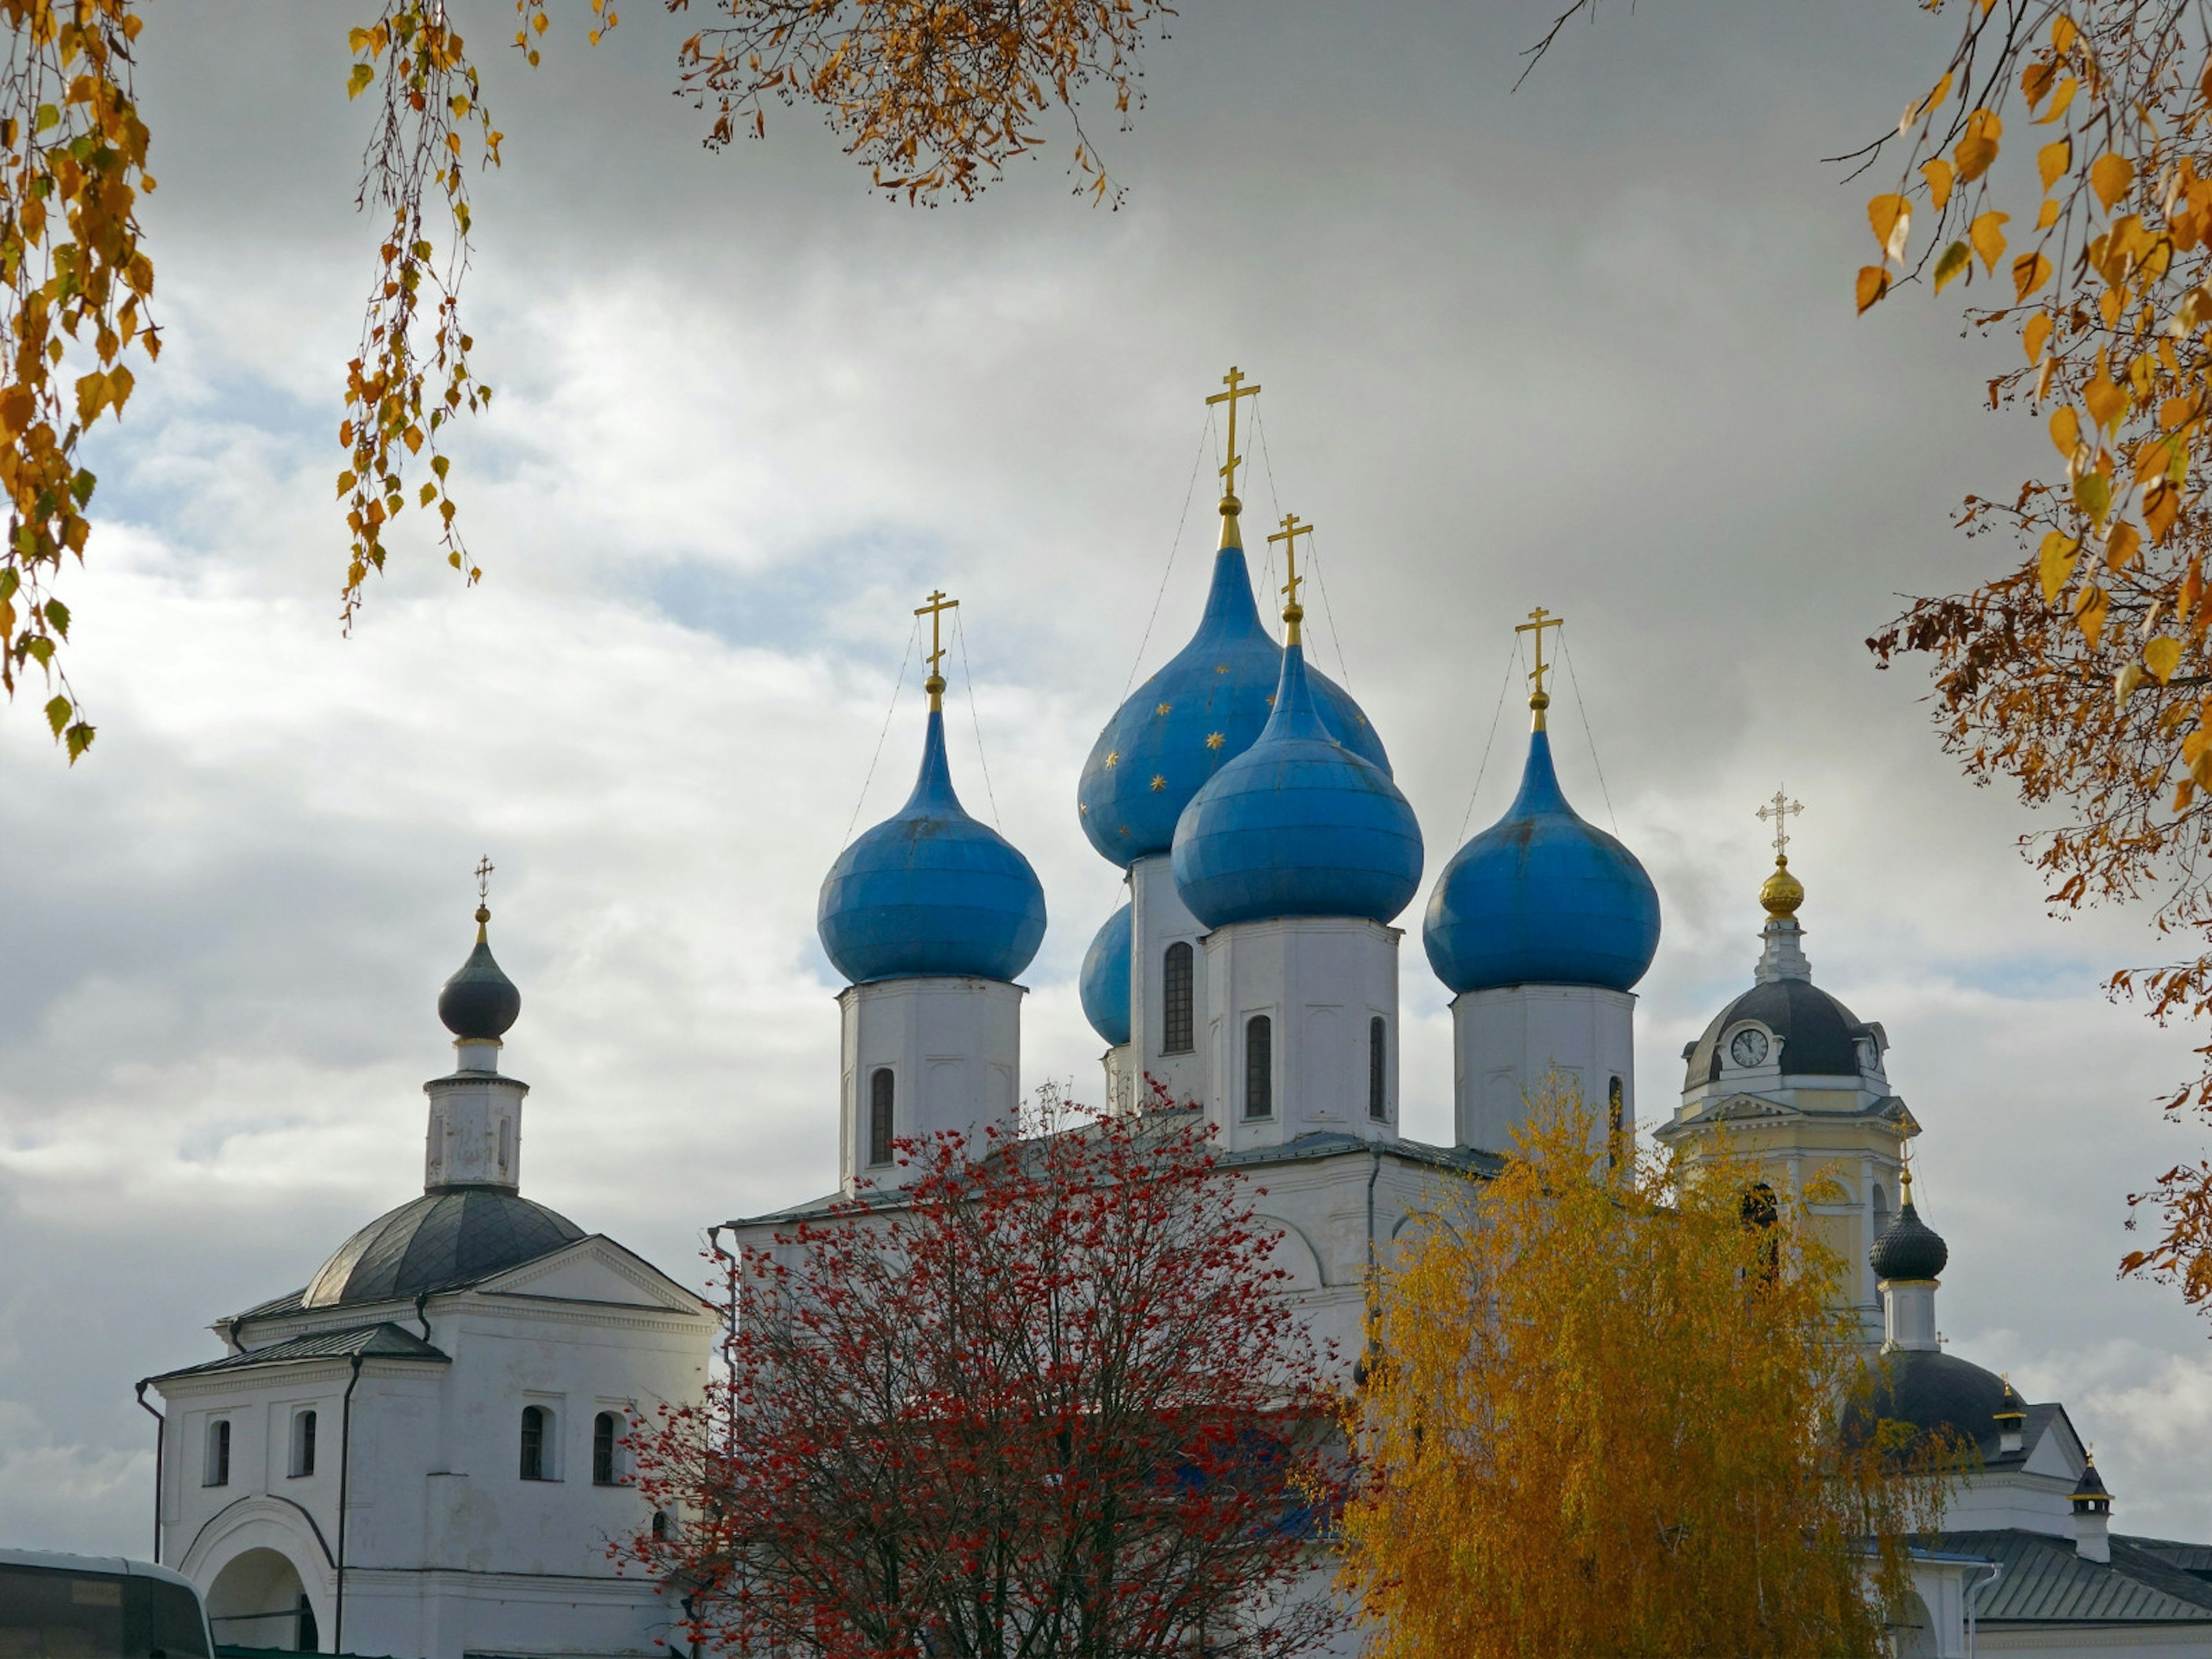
(604, 1435)
(303, 1444)
(536, 1438)
(1259, 1066)
(1176, 1021)
(660, 1523)
(216, 1472)
(1760, 1213)
(1378, 1104)
(879, 1115)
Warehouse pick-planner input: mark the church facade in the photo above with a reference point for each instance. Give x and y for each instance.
(464, 1356)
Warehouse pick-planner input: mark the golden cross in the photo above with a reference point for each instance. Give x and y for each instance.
(935, 609)
(1539, 620)
(1780, 810)
(1234, 380)
(484, 867)
(1293, 613)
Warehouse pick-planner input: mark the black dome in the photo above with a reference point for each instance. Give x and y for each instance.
(439, 1241)
(1908, 1248)
(479, 1002)
(1931, 1390)
(1820, 1035)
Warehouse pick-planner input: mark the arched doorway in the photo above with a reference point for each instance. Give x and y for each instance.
(1915, 1631)
(258, 1602)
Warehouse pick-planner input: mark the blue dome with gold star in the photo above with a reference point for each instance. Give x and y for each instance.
(930, 890)
(1195, 715)
(1104, 982)
(1541, 898)
(1299, 824)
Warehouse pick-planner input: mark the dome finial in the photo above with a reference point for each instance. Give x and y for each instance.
(1782, 892)
(484, 867)
(1293, 613)
(1540, 700)
(479, 1002)
(935, 609)
(1232, 534)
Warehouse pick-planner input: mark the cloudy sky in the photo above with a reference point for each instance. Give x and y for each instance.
(1587, 345)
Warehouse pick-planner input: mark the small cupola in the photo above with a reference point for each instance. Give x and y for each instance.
(475, 1134)
(2093, 1515)
(1907, 1259)
(2011, 1419)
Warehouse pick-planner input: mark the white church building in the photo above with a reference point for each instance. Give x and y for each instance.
(472, 1348)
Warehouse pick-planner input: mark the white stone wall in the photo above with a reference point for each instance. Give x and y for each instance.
(953, 1048)
(1506, 1040)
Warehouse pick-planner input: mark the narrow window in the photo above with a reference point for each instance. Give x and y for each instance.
(217, 1470)
(1176, 977)
(660, 1523)
(535, 1421)
(603, 1449)
(1378, 1107)
(1616, 1123)
(1259, 1066)
(879, 1115)
(303, 1444)
(506, 1144)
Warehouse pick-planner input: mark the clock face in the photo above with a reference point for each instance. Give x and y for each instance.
(1749, 1049)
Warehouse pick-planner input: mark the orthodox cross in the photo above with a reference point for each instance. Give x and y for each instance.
(1293, 613)
(1234, 380)
(484, 868)
(1780, 810)
(935, 609)
(1539, 620)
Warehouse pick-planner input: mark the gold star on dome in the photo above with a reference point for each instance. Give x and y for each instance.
(1159, 782)
(1271, 700)
(1221, 668)
(1165, 706)
(1112, 757)
(1214, 741)
(1084, 808)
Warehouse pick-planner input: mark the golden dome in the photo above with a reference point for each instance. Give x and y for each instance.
(1782, 892)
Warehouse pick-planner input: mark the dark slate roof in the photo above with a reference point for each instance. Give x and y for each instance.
(2195, 1559)
(2045, 1582)
(370, 1342)
(1820, 1035)
(439, 1241)
(1909, 1249)
(1931, 1389)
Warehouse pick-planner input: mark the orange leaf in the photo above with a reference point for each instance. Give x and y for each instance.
(2059, 101)
(1938, 174)
(2110, 176)
(2034, 337)
(1979, 148)
(2090, 612)
(1987, 236)
(2062, 34)
(2106, 402)
(1873, 282)
(2122, 546)
(2029, 272)
(2161, 506)
(1891, 218)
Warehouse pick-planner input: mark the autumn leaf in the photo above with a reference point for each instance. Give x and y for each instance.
(1953, 259)
(2106, 402)
(2053, 159)
(2161, 506)
(1873, 282)
(1987, 234)
(2057, 563)
(2162, 656)
(1979, 148)
(2110, 175)
(2066, 432)
(2029, 272)
(1891, 217)
(1937, 172)
(2034, 336)
(2126, 682)
(2092, 493)
(2122, 545)
(2060, 101)
(2090, 612)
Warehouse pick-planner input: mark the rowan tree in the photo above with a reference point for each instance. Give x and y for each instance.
(935, 101)
(1045, 1399)
(1601, 1415)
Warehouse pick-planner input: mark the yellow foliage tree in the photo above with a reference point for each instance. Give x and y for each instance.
(1599, 1417)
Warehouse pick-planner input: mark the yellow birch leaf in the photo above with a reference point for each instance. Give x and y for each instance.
(2126, 682)
(1872, 283)
(1979, 148)
(2161, 506)
(1892, 219)
(2066, 432)
(2182, 792)
(1934, 99)
(2057, 564)
(1954, 259)
(2092, 493)
(1938, 174)
(2106, 402)
(2062, 34)
(2033, 337)
(2110, 175)
(2047, 215)
(2035, 82)
(2053, 159)
(2043, 374)
(2162, 656)
(2090, 612)
(1987, 234)
(2029, 272)
(2122, 546)
(2059, 100)
(2200, 770)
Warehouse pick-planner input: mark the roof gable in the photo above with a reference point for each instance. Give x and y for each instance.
(594, 1269)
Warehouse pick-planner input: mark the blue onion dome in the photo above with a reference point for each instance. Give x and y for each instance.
(1909, 1249)
(1541, 897)
(1195, 716)
(479, 1002)
(931, 891)
(1105, 981)
(1299, 824)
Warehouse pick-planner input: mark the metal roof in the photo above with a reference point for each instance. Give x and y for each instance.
(382, 1341)
(2045, 1582)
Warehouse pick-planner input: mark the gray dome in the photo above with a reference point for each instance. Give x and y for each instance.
(479, 1002)
(1820, 1035)
(439, 1241)
(1909, 1249)
(1931, 1390)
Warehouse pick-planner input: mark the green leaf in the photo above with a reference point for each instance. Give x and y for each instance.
(1956, 257)
(58, 614)
(48, 116)
(79, 739)
(356, 83)
(82, 486)
(57, 714)
(2092, 493)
